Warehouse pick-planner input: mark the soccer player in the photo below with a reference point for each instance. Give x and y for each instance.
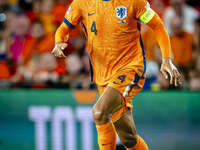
(117, 61)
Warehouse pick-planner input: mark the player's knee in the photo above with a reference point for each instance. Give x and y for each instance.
(129, 140)
(100, 114)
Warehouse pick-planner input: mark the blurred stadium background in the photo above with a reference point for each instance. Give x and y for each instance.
(46, 103)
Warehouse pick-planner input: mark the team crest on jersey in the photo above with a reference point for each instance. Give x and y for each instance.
(121, 12)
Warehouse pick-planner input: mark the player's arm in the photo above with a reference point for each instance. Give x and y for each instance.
(149, 17)
(72, 18)
(164, 42)
(61, 37)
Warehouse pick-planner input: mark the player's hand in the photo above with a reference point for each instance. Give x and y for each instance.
(167, 66)
(58, 50)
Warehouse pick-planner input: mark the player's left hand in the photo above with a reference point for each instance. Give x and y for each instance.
(167, 66)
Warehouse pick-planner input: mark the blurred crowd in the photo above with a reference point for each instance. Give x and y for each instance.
(27, 29)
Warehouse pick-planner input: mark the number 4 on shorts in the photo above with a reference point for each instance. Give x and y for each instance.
(122, 78)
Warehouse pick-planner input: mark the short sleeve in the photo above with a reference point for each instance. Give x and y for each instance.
(140, 7)
(73, 15)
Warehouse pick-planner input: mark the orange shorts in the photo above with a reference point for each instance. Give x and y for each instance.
(128, 83)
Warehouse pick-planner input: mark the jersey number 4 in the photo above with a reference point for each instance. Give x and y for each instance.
(93, 28)
(122, 78)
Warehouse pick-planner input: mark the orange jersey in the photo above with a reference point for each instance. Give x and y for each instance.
(113, 32)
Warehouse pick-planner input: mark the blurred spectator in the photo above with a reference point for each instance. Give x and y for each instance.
(35, 12)
(46, 17)
(184, 11)
(38, 42)
(19, 36)
(24, 48)
(13, 38)
(41, 68)
(181, 42)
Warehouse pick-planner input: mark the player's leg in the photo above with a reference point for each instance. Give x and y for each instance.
(109, 102)
(126, 131)
(125, 128)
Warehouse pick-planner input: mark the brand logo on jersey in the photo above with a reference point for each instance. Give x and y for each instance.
(92, 14)
(68, 10)
(121, 12)
(116, 83)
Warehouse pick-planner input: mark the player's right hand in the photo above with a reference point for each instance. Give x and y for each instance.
(58, 50)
